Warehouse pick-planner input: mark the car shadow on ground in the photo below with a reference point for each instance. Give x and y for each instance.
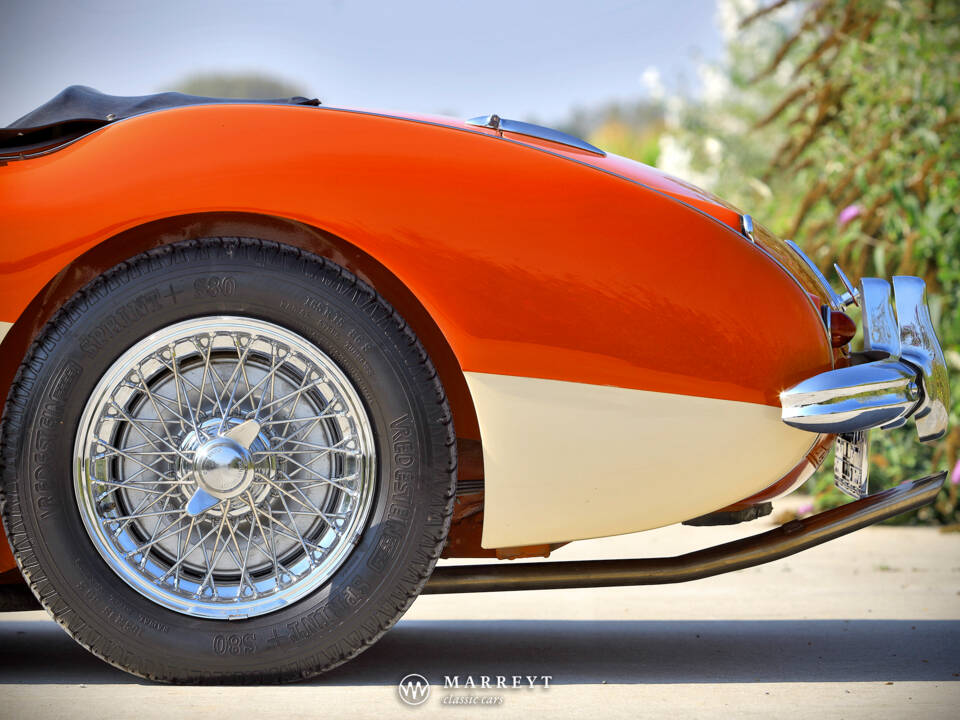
(578, 652)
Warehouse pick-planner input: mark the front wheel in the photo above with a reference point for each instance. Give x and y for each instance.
(227, 460)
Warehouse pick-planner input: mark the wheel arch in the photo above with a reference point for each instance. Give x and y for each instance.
(157, 233)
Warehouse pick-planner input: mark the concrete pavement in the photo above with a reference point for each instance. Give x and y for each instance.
(865, 626)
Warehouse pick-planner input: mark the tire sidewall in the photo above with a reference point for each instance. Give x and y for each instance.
(309, 297)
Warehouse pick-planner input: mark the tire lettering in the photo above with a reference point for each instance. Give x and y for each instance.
(214, 286)
(234, 644)
(114, 323)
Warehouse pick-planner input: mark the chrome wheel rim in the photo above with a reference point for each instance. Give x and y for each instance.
(225, 467)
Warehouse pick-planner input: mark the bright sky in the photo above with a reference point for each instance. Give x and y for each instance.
(523, 58)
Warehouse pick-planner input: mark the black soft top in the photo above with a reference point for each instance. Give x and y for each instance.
(80, 109)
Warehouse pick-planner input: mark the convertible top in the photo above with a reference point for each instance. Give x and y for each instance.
(80, 109)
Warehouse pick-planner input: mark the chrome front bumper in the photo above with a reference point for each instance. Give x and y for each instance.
(901, 372)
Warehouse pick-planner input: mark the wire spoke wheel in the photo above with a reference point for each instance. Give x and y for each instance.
(227, 460)
(225, 467)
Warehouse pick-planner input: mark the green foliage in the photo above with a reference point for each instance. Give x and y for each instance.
(848, 104)
(629, 129)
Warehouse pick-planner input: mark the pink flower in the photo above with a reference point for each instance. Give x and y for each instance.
(804, 509)
(955, 475)
(850, 212)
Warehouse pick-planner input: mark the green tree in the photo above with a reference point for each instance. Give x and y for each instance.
(837, 123)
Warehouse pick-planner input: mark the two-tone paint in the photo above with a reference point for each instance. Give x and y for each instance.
(623, 343)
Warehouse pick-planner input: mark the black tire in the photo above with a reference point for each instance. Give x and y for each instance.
(407, 523)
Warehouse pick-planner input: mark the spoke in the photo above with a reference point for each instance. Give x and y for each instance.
(118, 486)
(285, 531)
(178, 381)
(310, 483)
(145, 504)
(134, 484)
(206, 371)
(238, 373)
(163, 536)
(293, 409)
(271, 376)
(212, 564)
(144, 430)
(133, 459)
(156, 409)
(321, 449)
(264, 550)
(273, 381)
(156, 529)
(349, 491)
(296, 530)
(127, 452)
(184, 423)
(242, 564)
(297, 394)
(305, 502)
(180, 560)
(272, 543)
(180, 546)
(158, 513)
(167, 404)
(293, 436)
(316, 511)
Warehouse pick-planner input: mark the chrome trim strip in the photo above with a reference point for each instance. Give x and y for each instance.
(746, 226)
(851, 296)
(921, 348)
(502, 125)
(832, 297)
(852, 398)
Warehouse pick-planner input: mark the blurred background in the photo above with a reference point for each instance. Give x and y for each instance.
(833, 122)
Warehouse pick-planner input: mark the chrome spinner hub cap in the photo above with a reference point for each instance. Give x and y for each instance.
(225, 467)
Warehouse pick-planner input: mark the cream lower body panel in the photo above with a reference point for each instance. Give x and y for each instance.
(4, 329)
(570, 461)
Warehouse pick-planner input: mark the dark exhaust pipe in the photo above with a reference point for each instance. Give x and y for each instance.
(785, 540)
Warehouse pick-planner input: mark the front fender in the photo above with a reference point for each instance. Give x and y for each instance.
(532, 265)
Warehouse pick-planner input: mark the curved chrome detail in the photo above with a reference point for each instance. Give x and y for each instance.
(852, 398)
(835, 301)
(881, 334)
(225, 467)
(908, 375)
(746, 226)
(920, 347)
(495, 122)
(852, 295)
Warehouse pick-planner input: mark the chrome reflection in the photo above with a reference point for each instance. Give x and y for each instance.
(881, 335)
(907, 378)
(852, 398)
(835, 301)
(919, 346)
(501, 124)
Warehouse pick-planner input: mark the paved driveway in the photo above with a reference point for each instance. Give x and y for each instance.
(865, 626)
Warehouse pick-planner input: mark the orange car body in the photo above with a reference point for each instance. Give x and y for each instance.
(510, 256)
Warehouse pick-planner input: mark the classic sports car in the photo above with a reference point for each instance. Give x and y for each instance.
(266, 362)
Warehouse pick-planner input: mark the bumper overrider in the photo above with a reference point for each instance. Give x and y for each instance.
(901, 372)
